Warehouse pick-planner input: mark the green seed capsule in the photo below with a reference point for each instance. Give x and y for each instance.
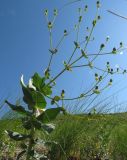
(99, 17)
(87, 38)
(86, 8)
(55, 12)
(65, 32)
(96, 90)
(102, 46)
(50, 25)
(114, 51)
(125, 71)
(46, 12)
(107, 38)
(121, 44)
(98, 4)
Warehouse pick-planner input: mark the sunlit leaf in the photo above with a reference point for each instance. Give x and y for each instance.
(49, 114)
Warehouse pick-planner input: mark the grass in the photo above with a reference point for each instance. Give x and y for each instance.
(85, 137)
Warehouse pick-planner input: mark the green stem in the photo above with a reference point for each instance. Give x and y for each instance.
(50, 61)
(31, 143)
(50, 38)
(71, 58)
(56, 76)
(72, 55)
(60, 41)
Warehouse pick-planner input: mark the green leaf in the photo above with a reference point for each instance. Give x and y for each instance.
(49, 114)
(39, 83)
(33, 98)
(16, 136)
(38, 99)
(46, 90)
(18, 109)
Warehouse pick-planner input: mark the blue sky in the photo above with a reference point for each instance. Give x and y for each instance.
(24, 43)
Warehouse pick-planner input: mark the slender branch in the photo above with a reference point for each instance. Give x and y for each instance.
(50, 61)
(71, 58)
(57, 76)
(78, 66)
(75, 98)
(72, 55)
(50, 38)
(59, 43)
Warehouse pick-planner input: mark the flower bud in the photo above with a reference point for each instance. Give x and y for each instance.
(111, 71)
(96, 90)
(102, 46)
(65, 32)
(86, 8)
(87, 38)
(108, 65)
(62, 93)
(55, 12)
(121, 44)
(98, 4)
(107, 38)
(50, 25)
(125, 71)
(46, 12)
(117, 69)
(99, 17)
(96, 77)
(114, 51)
(87, 28)
(110, 82)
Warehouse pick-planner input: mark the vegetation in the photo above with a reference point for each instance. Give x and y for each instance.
(52, 133)
(81, 136)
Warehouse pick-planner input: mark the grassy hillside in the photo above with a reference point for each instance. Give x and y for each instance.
(85, 137)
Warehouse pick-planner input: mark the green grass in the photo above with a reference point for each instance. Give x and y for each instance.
(81, 136)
